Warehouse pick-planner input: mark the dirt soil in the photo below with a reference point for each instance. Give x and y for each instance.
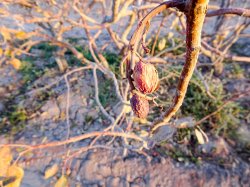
(105, 167)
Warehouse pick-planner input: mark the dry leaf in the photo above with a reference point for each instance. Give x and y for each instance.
(21, 35)
(17, 172)
(5, 159)
(53, 2)
(162, 44)
(62, 182)
(141, 121)
(127, 109)
(204, 134)
(46, 14)
(15, 63)
(174, 23)
(199, 136)
(51, 171)
(144, 133)
(170, 35)
(5, 33)
(7, 52)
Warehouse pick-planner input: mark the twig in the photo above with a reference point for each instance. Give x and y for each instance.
(233, 98)
(75, 139)
(67, 106)
(156, 36)
(97, 97)
(115, 9)
(207, 50)
(59, 79)
(134, 42)
(169, 49)
(128, 28)
(226, 102)
(234, 11)
(205, 84)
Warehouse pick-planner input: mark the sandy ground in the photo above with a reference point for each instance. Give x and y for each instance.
(101, 167)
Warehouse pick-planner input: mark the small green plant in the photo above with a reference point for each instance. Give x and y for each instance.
(107, 95)
(47, 49)
(114, 62)
(237, 71)
(29, 71)
(199, 104)
(17, 116)
(85, 52)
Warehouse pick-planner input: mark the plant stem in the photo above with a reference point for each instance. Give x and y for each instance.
(135, 39)
(195, 13)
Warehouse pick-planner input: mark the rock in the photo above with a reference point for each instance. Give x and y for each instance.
(32, 178)
(10, 80)
(235, 85)
(113, 182)
(243, 135)
(2, 107)
(3, 91)
(216, 147)
(51, 110)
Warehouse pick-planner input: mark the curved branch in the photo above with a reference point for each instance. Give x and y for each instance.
(207, 50)
(236, 11)
(196, 12)
(134, 42)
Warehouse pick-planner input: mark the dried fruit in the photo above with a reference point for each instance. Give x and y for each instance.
(145, 77)
(140, 106)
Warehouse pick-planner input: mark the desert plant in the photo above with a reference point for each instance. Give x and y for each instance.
(55, 21)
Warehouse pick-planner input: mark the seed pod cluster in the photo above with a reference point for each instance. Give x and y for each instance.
(146, 81)
(140, 106)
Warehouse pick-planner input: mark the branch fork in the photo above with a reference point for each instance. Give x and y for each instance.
(195, 11)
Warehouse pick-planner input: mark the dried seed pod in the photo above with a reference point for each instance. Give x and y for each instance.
(140, 106)
(146, 77)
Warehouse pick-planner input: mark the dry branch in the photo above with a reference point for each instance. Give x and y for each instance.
(75, 139)
(234, 11)
(196, 12)
(136, 38)
(208, 50)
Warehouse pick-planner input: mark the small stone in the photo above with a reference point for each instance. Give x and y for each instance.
(163, 160)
